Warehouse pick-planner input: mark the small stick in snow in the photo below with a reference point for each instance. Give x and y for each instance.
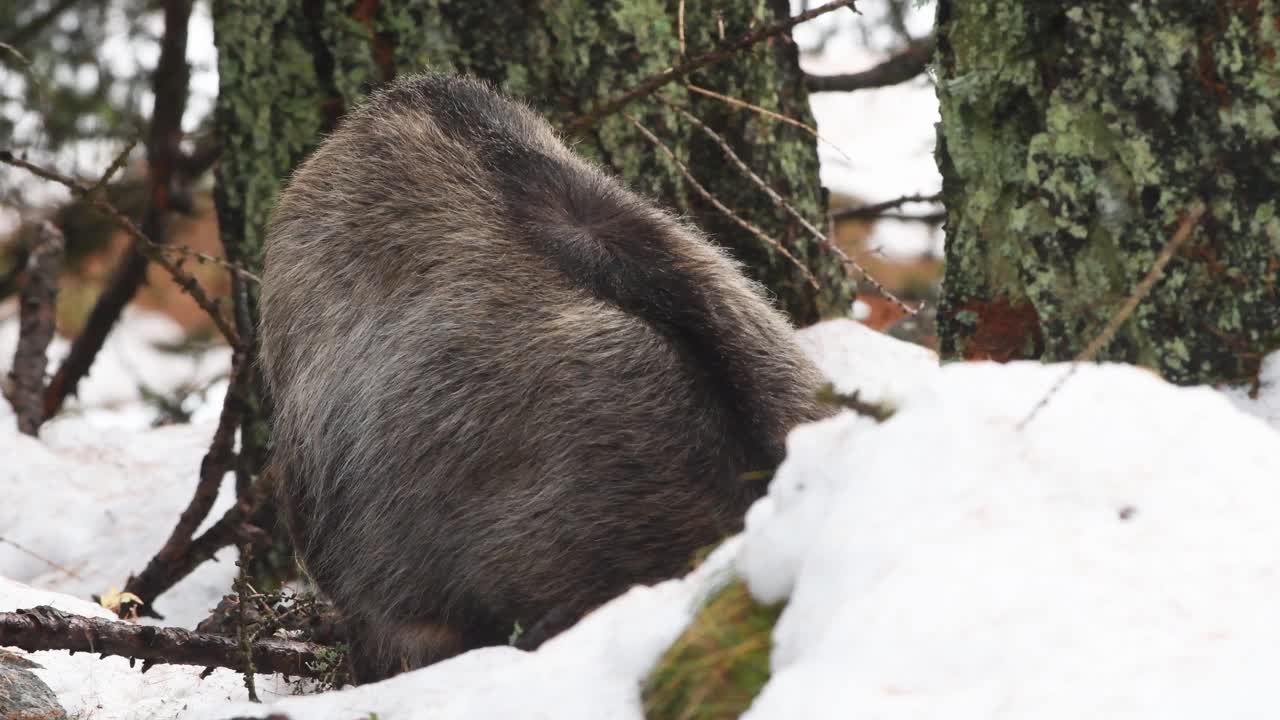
(36, 327)
(244, 635)
(46, 628)
(41, 558)
(1130, 304)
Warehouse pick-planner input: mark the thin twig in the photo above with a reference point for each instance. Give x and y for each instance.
(680, 26)
(41, 558)
(736, 102)
(144, 244)
(244, 636)
(203, 258)
(116, 165)
(706, 195)
(824, 240)
(1144, 287)
(724, 51)
(877, 210)
(169, 85)
(1140, 291)
(907, 64)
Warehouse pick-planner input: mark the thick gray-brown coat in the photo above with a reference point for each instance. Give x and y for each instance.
(505, 387)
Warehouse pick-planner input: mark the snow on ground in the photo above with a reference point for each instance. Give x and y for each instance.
(100, 489)
(1114, 558)
(131, 357)
(1265, 400)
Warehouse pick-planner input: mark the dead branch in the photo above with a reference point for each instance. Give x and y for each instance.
(170, 85)
(725, 51)
(822, 238)
(879, 210)
(217, 462)
(239, 523)
(1143, 288)
(143, 244)
(46, 628)
(736, 102)
(245, 636)
(36, 324)
(905, 65)
(706, 195)
(31, 553)
(1140, 291)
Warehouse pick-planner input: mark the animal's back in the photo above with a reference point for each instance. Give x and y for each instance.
(503, 384)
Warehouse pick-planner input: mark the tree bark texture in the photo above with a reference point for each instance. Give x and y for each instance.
(1074, 139)
(290, 68)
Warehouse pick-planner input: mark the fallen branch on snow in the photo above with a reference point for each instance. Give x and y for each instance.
(45, 628)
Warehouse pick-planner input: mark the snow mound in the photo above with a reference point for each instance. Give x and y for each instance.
(1114, 558)
(90, 688)
(856, 358)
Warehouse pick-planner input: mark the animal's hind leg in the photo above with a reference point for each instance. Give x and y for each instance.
(377, 654)
(557, 620)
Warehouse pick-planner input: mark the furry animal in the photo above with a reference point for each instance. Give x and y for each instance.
(505, 387)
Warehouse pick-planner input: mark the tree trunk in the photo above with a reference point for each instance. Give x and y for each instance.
(1075, 139)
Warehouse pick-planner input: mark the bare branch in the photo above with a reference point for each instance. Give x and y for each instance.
(879, 210)
(706, 195)
(46, 628)
(237, 524)
(778, 200)
(41, 558)
(907, 64)
(37, 319)
(736, 102)
(144, 245)
(168, 562)
(725, 51)
(1140, 291)
(1143, 288)
(170, 86)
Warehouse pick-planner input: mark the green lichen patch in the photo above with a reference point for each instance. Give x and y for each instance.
(1074, 138)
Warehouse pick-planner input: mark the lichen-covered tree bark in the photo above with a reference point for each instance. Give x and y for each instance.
(1075, 138)
(289, 68)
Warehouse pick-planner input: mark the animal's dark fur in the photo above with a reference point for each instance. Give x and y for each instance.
(504, 385)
